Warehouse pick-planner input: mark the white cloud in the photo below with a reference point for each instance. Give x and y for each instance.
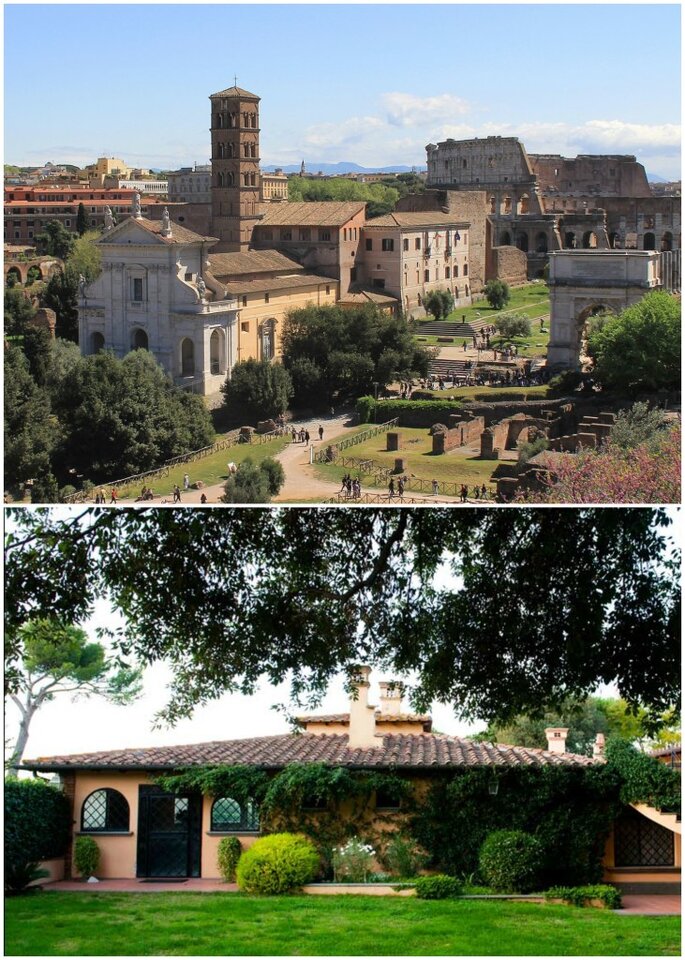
(633, 137)
(408, 110)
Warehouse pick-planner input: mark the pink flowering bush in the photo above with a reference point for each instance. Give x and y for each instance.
(648, 473)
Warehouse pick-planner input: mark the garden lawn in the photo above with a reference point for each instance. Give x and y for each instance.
(459, 465)
(211, 469)
(225, 924)
(484, 394)
(531, 299)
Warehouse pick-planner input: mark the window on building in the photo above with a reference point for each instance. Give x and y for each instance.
(353, 274)
(67, 223)
(266, 298)
(386, 800)
(287, 234)
(189, 277)
(137, 288)
(447, 273)
(344, 233)
(426, 276)
(305, 233)
(244, 301)
(387, 244)
(105, 811)
(232, 816)
(379, 282)
(466, 269)
(405, 243)
(245, 327)
(324, 234)
(417, 243)
(328, 289)
(314, 803)
(369, 243)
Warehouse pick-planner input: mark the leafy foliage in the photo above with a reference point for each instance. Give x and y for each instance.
(30, 435)
(579, 896)
(61, 295)
(439, 886)
(56, 240)
(497, 293)
(333, 354)
(86, 856)
(514, 325)
(257, 390)
(439, 302)
(639, 425)
(279, 863)
(352, 862)
(640, 348)
(381, 198)
(510, 861)
(81, 220)
(240, 781)
(366, 590)
(403, 857)
(569, 809)
(389, 409)
(228, 856)
(254, 482)
(18, 310)
(19, 876)
(37, 827)
(643, 778)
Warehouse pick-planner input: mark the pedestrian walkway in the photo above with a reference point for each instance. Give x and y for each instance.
(191, 885)
(656, 904)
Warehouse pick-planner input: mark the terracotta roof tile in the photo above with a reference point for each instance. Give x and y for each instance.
(232, 265)
(345, 717)
(417, 218)
(411, 751)
(321, 213)
(179, 234)
(235, 92)
(236, 287)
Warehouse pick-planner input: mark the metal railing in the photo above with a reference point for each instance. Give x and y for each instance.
(232, 439)
(323, 456)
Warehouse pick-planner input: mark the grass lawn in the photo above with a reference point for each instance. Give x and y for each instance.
(485, 394)
(457, 466)
(224, 924)
(210, 470)
(531, 299)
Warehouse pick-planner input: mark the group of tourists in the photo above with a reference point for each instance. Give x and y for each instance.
(351, 487)
(303, 436)
(479, 493)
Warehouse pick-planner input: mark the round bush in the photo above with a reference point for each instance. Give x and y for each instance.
(278, 863)
(511, 861)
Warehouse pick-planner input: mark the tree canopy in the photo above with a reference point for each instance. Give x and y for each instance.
(254, 482)
(257, 390)
(539, 605)
(497, 293)
(640, 348)
(336, 354)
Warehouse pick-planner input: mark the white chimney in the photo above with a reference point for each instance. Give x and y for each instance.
(391, 698)
(362, 728)
(598, 746)
(556, 739)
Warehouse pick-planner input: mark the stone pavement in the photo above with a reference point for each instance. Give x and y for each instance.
(662, 904)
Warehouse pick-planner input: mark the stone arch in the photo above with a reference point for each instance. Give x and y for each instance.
(220, 179)
(139, 339)
(541, 242)
(524, 203)
(614, 238)
(97, 342)
(506, 205)
(493, 203)
(505, 239)
(667, 241)
(219, 120)
(13, 276)
(217, 351)
(187, 357)
(649, 242)
(569, 240)
(221, 151)
(522, 242)
(589, 240)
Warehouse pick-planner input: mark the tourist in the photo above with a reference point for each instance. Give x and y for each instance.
(320, 432)
(203, 499)
(476, 492)
(186, 482)
(400, 487)
(484, 492)
(464, 493)
(115, 495)
(435, 486)
(294, 435)
(177, 494)
(391, 487)
(306, 436)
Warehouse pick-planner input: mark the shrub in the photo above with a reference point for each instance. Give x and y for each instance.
(497, 293)
(352, 862)
(404, 857)
(566, 382)
(278, 863)
(511, 861)
(86, 856)
(19, 876)
(389, 409)
(228, 856)
(257, 390)
(578, 896)
(514, 325)
(438, 887)
(37, 827)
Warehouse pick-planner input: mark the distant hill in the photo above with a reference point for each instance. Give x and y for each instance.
(655, 178)
(338, 168)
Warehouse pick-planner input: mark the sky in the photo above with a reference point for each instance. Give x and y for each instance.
(364, 83)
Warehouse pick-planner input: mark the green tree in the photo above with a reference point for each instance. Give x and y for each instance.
(61, 295)
(59, 658)
(371, 586)
(440, 303)
(254, 482)
(334, 354)
(56, 240)
(30, 432)
(640, 424)
(497, 293)
(514, 325)
(122, 417)
(33, 275)
(85, 257)
(257, 390)
(640, 348)
(81, 220)
(18, 310)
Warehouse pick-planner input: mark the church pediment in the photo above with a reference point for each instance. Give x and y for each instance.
(131, 231)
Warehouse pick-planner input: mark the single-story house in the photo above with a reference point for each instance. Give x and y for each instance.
(143, 831)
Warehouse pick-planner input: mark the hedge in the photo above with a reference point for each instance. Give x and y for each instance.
(438, 887)
(511, 861)
(37, 821)
(579, 896)
(389, 409)
(228, 856)
(278, 863)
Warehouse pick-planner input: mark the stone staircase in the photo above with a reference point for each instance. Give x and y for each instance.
(448, 328)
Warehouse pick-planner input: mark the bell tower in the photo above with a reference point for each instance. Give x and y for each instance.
(235, 168)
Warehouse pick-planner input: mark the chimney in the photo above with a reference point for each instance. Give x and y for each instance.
(362, 728)
(598, 746)
(556, 739)
(391, 698)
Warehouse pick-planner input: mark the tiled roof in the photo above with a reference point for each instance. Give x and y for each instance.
(408, 751)
(293, 281)
(232, 265)
(368, 296)
(417, 218)
(382, 717)
(235, 92)
(321, 213)
(179, 234)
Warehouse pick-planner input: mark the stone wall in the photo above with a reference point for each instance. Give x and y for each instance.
(461, 433)
(510, 264)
